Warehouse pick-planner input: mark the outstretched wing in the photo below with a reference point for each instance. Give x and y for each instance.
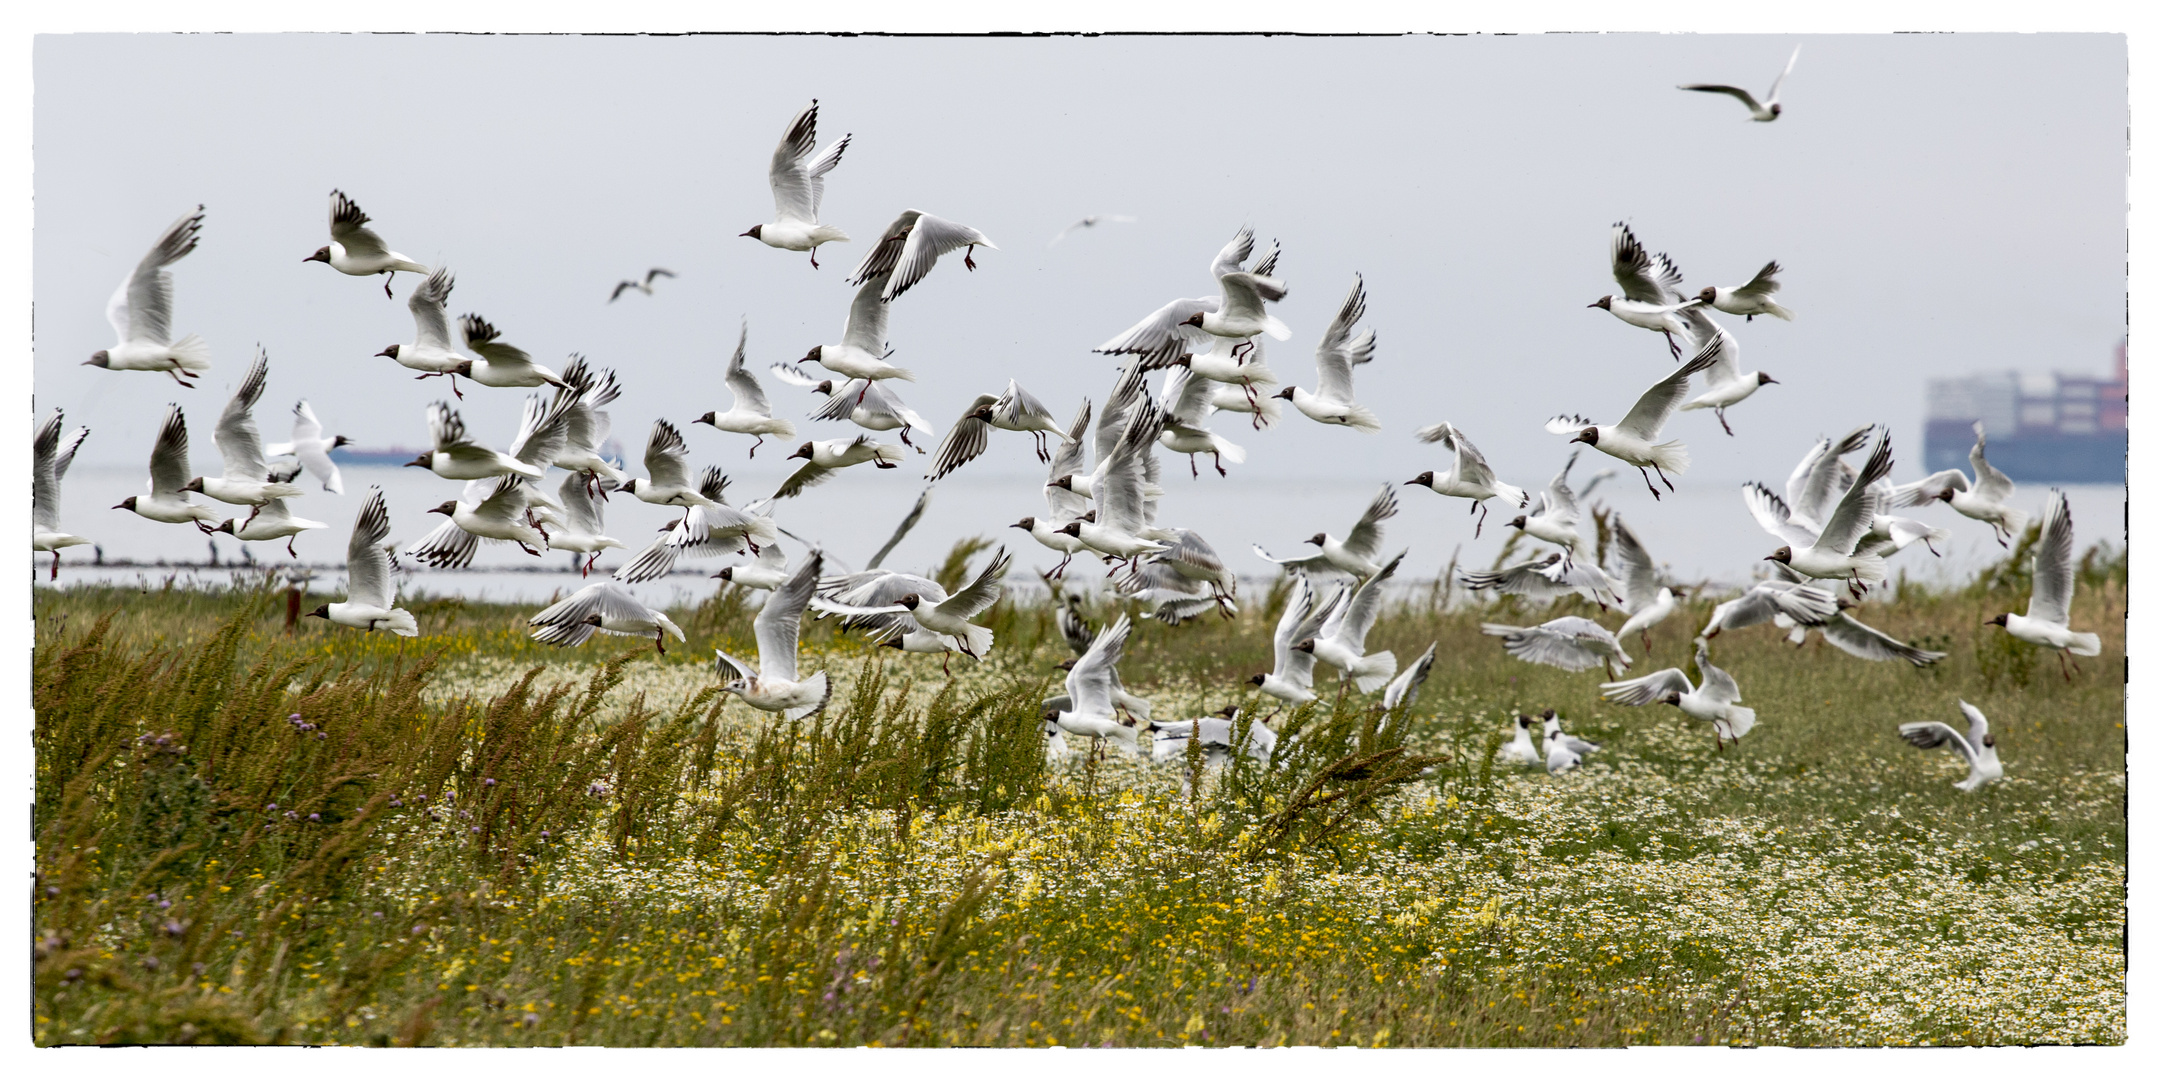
(1648, 688)
(142, 308)
(749, 396)
(238, 441)
(779, 623)
(1856, 509)
(1868, 643)
(1364, 540)
(1656, 405)
(1643, 277)
(965, 442)
(1988, 482)
(367, 564)
(1771, 513)
(348, 226)
(798, 180)
(1746, 98)
(2052, 581)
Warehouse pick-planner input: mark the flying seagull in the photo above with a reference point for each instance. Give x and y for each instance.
(167, 501)
(2046, 620)
(1649, 289)
(644, 286)
(1759, 111)
(370, 593)
(355, 249)
(750, 413)
(1089, 222)
(1634, 438)
(606, 607)
(772, 684)
(51, 455)
(140, 312)
(311, 448)
(910, 248)
(798, 186)
(1716, 701)
(430, 352)
(1977, 745)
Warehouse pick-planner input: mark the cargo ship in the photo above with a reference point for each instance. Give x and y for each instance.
(396, 455)
(2042, 428)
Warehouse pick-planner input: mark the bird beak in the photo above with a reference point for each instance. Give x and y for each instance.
(1591, 304)
(745, 234)
(1766, 378)
(1576, 439)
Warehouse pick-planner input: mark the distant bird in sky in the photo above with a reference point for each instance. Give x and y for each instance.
(1986, 497)
(370, 592)
(355, 249)
(1649, 289)
(1471, 478)
(51, 454)
(500, 363)
(1751, 299)
(607, 608)
(1716, 701)
(644, 286)
(798, 186)
(773, 685)
(1634, 438)
(430, 351)
(1088, 222)
(750, 413)
(167, 501)
(1760, 111)
(140, 312)
(311, 448)
(2046, 621)
(911, 247)
(247, 480)
(1976, 746)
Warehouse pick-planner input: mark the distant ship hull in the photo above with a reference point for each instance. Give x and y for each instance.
(2032, 457)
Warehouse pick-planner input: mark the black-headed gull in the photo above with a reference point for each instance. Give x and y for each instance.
(645, 286)
(1089, 222)
(457, 457)
(1762, 111)
(51, 454)
(1649, 289)
(1014, 410)
(500, 363)
(312, 449)
(1341, 641)
(1187, 403)
(1354, 554)
(1337, 359)
(1471, 478)
(1175, 321)
(667, 471)
(370, 593)
(1724, 384)
(1646, 600)
(889, 604)
(493, 510)
(706, 529)
(824, 457)
(1301, 620)
(1775, 600)
(1397, 698)
(1121, 529)
(873, 406)
(605, 607)
(1557, 518)
(2046, 620)
(750, 413)
(1065, 506)
(1976, 745)
(1570, 643)
(140, 312)
(1079, 637)
(167, 501)
(1191, 559)
(772, 685)
(1986, 497)
(910, 248)
(798, 186)
(270, 521)
(1634, 438)
(430, 351)
(1217, 736)
(1562, 750)
(588, 426)
(1837, 551)
(1545, 580)
(247, 480)
(1091, 686)
(1716, 702)
(861, 351)
(355, 249)
(1751, 299)
(1521, 747)
(768, 571)
(1168, 596)
(579, 525)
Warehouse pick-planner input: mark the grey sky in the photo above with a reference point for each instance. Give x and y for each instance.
(1942, 203)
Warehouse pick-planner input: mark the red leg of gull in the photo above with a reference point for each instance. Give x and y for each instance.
(55, 566)
(969, 258)
(813, 259)
(1721, 421)
(388, 277)
(528, 549)
(659, 641)
(289, 548)
(1193, 460)
(1219, 470)
(753, 446)
(1646, 480)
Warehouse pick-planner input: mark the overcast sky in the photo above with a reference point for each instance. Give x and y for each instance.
(1941, 203)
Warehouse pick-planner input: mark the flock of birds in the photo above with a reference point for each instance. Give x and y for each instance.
(1833, 518)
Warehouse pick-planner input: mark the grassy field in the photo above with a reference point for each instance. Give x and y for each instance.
(250, 835)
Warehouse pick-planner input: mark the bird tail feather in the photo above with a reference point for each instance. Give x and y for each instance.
(1870, 568)
(1672, 457)
(403, 624)
(2015, 520)
(1772, 307)
(824, 692)
(890, 453)
(828, 234)
(978, 640)
(902, 374)
(1257, 372)
(1229, 451)
(2084, 645)
(192, 353)
(1741, 721)
(1275, 328)
(1375, 671)
(1363, 419)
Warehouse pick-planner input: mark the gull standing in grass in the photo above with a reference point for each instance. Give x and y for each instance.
(1976, 746)
(1341, 641)
(1649, 289)
(1353, 555)
(645, 286)
(270, 521)
(370, 592)
(828, 456)
(1570, 643)
(1520, 749)
(1646, 601)
(911, 247)
(355, 249)
(311, 449)
(430, 351)
(861, 351)
(1715, 702)
(457, 457)
(1725, 384)
(1836, 552)
(776, 687)
(1470, 479)
(1014, 410)
(2046, 621)
(889, 604)
(606, 607)
(1634, 438)
(51, 454)
(247, 480)
(1337, 359)
(1065, 506)
(500, 363)
(167, 501)
(1091, 685)
(1301, 620)
(140, 312)
(1759, 111)
(1562, 750)
(798, 186)
(749, 413)
(1751, 299)
(1984, 498)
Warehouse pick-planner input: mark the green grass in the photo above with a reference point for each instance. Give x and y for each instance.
(656, 864)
